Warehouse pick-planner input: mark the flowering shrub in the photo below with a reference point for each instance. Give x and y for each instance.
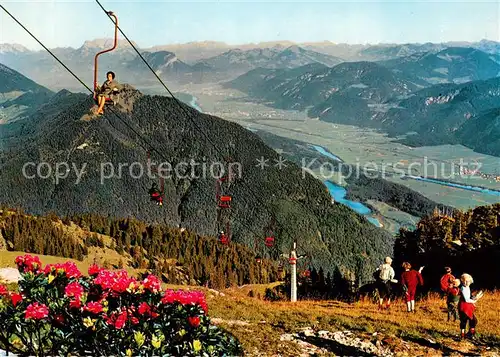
(58, 311)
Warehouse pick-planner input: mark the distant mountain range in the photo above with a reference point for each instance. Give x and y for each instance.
(396, 95)
(162, 62)
(201, 62)
(453, 64)
(275, 57)
(195, 51)
(387, 51)
(130, 68)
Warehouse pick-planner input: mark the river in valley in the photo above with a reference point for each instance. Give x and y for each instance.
(338, 193)
(455, 185)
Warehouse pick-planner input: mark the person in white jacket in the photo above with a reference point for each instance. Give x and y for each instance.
(385, 275)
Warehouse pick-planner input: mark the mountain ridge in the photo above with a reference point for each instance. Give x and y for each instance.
(274, 57)
(19, 95)
(372, 95)
(313, 85)
(452, 65)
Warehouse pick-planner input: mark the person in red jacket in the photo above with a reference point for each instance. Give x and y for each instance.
(446, 281)
(410, 279)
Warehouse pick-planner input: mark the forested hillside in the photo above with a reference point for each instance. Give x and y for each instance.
(299, 204)
(19, 95)
(466, 241)
(179, 256)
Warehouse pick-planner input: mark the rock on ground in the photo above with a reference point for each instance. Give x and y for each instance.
(9, 275)
(321, 342)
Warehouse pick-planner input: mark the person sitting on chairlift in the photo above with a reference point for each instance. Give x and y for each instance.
(107, 88)
(156, 194)
(223, 238)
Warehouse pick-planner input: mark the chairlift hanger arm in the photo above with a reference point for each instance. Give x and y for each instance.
(96, 84)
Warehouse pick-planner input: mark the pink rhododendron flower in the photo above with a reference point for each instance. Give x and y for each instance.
(194, 321)
(94, 270)
(74, 289)
(36, 311)
(93, 307)
(28, 263)
(152, 283)
(69, 269)
(16, 298)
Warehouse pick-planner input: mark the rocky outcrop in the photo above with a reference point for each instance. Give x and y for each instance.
(343, 343)
(10, 275)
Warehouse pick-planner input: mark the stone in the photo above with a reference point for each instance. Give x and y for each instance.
(10, 275)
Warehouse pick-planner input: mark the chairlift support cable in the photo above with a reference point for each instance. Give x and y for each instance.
(188, 115)
(149, 145)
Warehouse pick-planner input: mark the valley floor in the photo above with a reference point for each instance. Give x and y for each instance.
(359, 146)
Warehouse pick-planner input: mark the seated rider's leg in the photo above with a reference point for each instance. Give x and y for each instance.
(102, 101)
(98, 103)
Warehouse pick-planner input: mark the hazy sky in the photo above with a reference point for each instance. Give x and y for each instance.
(70, 23)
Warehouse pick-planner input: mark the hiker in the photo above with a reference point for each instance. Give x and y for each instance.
(447, 281)
(453, 299)
(385, 275)
(467, 306)
(410, 279)
(108, 87)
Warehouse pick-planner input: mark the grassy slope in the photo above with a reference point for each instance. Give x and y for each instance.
(102, 256)
(260, 324)
(7, 260)
(363, 317)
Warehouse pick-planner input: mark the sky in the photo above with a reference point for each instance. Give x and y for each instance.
(69, 23)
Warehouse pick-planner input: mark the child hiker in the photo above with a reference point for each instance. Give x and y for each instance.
(446, 281)
(467, 306)
(452, 300)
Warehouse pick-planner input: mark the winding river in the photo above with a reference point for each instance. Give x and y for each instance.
(338, 192)
(455, 185)
(322, 151)
(194, 103)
